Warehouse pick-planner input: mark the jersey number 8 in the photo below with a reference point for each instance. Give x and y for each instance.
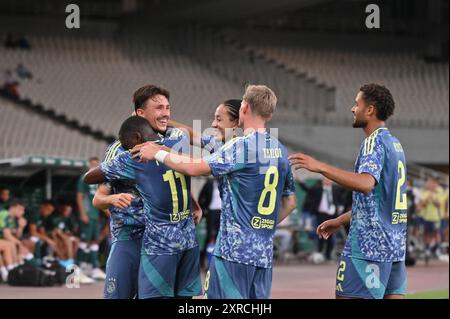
(270, 188)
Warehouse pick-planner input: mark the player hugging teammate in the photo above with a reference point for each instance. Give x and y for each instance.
(146, 178)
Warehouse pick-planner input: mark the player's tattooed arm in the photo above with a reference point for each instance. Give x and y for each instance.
(288, 204)
(331, 226)
(360, 182)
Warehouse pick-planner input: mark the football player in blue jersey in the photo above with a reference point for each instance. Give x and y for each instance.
(127, 217)
(127, 220)
(257, 191)
(224, 127)
(169, 264)
(372, 264)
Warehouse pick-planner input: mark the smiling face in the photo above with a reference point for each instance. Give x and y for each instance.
(157, 112)
(222, 121)
(359, 110)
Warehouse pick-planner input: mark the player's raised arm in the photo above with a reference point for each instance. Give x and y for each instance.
(360, 182)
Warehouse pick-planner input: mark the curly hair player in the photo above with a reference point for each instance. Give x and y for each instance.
(372, 264)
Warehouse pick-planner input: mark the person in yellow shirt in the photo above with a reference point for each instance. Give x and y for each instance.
(429, 207)
(444, 216)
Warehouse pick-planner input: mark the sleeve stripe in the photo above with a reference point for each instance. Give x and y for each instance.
(365, 146)
(112, 151)
(369, 143)
(114, 154)
(108, 152)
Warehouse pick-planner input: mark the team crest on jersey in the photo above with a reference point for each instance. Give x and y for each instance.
(111, 285)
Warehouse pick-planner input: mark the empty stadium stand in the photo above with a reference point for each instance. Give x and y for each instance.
(24, 133)
(89, 80)
(419, 88)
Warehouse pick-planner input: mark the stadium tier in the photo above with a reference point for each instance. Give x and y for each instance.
(420, 88)
(92, 80)
(24, 133)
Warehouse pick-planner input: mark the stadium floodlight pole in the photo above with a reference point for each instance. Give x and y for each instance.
(48, 183)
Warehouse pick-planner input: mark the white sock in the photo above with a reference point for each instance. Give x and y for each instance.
(29, 256)
(4, 273)
(10, 267)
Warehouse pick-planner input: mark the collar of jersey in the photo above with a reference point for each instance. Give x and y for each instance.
(376, 131)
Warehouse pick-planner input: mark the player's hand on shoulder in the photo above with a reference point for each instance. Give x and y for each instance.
(122, 200)
(145, 151)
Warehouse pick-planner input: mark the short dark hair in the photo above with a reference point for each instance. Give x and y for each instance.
(132, 125)
(146, 92)
(380, 97)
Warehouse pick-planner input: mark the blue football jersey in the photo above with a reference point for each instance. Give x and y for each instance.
(128, 223)
(378, 226)
(254, 174)
(169, 226)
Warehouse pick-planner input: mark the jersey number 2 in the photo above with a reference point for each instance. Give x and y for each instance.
(401, 202)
